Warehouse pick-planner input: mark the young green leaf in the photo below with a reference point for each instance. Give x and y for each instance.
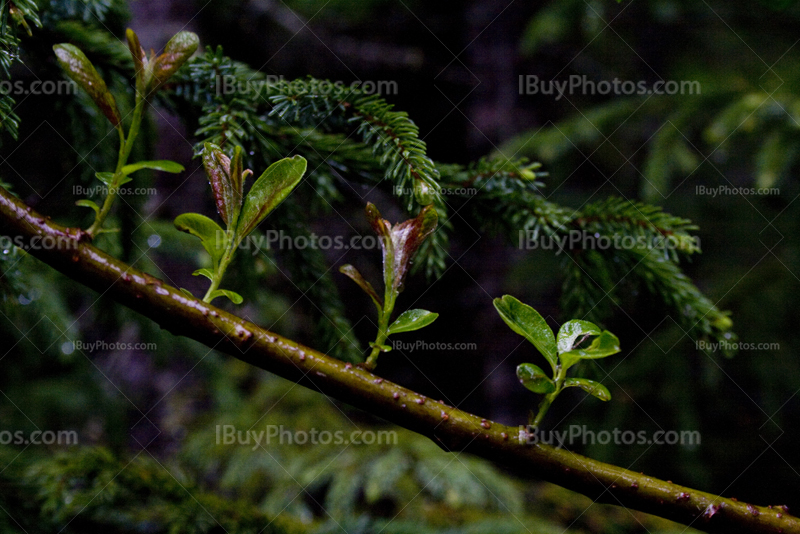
(211, 235)
(208, 273)
(602, 346)
(412, 320)
(108, 179)
(534, 378)
(78, 67)
(88, 204)
(105, 177)
(352, 273)
(399, 243)
(589, 386)
(157, 165)
(179, 49)
(572, 330)
(234, 297)
(527, 322)
(268, 191)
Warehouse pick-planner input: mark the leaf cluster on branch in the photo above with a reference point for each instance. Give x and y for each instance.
(233, 105)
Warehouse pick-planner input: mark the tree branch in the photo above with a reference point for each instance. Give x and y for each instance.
(452, 429)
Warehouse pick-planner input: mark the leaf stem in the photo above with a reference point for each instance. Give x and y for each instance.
(389, 298)
(544, 405)
(547, 401)
(125, 147)
(219, 270)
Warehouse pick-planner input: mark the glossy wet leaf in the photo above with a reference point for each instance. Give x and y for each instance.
(88, 204)
(534, 378)
(407, 237)
(401, 241)
(591, 387)
(354, 275)
(572, 330)
(234, 297)
(177, 51)
(211, 235)
(163, 165)
(78, 67)
(228, 195)
(412, 320)
(268, 191)
(527, 322)
(602, 346)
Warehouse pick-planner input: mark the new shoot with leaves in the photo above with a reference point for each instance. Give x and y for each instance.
(241, 214)
(151, 73)
(561, 353)
(399, 244)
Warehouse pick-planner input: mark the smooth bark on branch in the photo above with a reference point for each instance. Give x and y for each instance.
(452, 429)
